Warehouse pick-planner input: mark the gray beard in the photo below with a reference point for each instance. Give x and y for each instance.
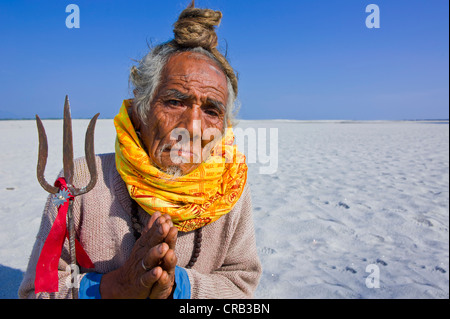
(174, 172)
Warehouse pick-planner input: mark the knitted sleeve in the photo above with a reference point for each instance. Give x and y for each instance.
(240, 272)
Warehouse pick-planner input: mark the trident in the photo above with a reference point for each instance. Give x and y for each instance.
(68, 168)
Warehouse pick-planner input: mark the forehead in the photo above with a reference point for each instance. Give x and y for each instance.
(195, 71)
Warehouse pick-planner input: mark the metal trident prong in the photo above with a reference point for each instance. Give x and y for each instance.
(68, 169)
(67, 154)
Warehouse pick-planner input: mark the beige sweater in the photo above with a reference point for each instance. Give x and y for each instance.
(228, 265)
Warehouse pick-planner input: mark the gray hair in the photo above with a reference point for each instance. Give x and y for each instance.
(146, 77)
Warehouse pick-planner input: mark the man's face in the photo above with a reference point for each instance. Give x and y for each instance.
(192, 96)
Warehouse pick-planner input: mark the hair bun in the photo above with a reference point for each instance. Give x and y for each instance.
(195, 28)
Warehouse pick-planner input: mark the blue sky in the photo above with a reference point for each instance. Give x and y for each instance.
(304, 60)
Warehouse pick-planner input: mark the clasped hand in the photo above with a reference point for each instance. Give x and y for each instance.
(149, 272)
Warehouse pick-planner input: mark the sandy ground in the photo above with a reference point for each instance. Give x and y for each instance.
(349, 207)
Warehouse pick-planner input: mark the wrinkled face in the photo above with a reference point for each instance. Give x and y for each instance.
(187, 111)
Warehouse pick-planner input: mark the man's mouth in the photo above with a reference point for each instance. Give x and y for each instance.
(182, 152)
(185, 154)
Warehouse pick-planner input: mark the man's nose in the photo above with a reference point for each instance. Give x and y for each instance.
(192, 121)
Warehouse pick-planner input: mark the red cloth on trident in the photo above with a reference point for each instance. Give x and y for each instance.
(47, 266)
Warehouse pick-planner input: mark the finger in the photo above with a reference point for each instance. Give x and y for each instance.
(164, 219)
(164, 228)
(155, 234)
(155, 255)
(168, 218)
(161, 221)
(169, 261)
(164, 279)
(162, 287)
(149, 278)
(151, 221)
(171, 238)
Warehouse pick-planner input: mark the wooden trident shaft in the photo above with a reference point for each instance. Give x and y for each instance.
(68, 169)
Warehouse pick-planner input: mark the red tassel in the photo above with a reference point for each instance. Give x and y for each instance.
(47, 266)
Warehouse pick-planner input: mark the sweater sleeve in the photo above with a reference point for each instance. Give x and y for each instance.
(240, 272)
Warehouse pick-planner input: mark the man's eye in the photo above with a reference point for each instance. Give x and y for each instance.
(212, 112)
(174, 103)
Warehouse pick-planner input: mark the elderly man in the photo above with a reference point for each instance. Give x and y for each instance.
(170, 215)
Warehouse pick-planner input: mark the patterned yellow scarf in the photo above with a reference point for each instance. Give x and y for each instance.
(193, 200)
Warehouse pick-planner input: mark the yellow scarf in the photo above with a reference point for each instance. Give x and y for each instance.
(193, 200)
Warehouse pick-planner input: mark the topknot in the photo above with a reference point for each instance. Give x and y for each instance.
(195, 28)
